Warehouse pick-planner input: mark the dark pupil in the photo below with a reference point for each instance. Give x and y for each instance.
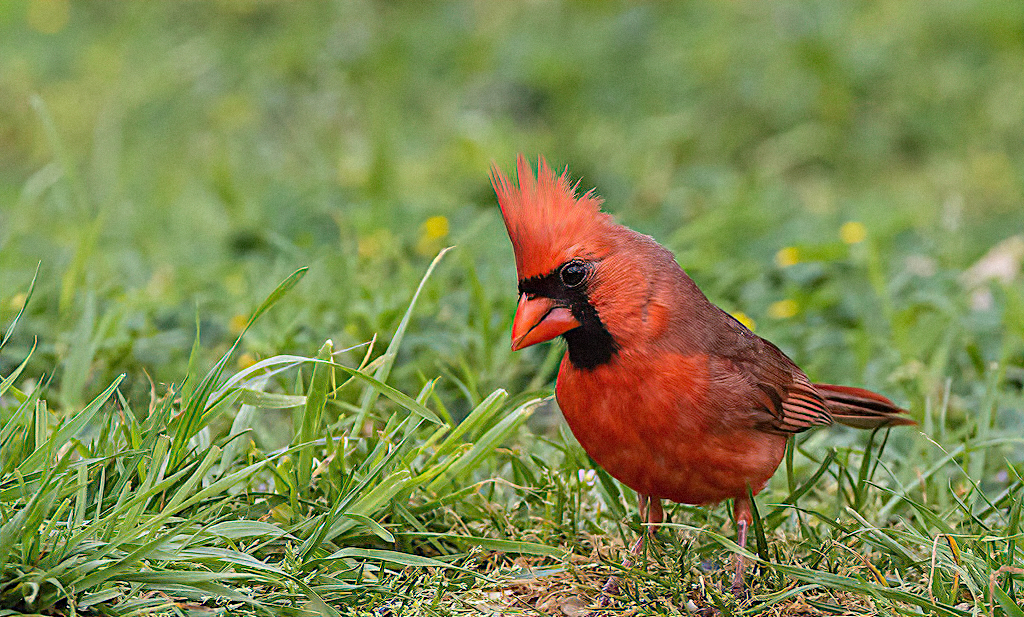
(572, 273)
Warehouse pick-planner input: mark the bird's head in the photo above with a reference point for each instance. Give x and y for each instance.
(578, 276)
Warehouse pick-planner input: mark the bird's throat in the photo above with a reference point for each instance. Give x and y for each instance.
(590, 345)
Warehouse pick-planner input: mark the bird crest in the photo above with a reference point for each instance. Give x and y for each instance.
(546, 221)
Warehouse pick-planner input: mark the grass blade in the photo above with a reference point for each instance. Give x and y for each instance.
(388, 359)
(316, 399)
(194, 408)
(21, 311)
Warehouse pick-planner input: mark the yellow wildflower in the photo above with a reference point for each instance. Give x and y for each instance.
(744, 319)
(237, 323)
(787, 257)
(436, 227)
(18, 301)
(853, 232)
(246, 360)
(783, 309)
(433, 231)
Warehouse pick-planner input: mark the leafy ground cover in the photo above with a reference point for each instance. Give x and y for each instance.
(237, 374)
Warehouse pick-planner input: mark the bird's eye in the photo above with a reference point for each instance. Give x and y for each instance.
(573, 273)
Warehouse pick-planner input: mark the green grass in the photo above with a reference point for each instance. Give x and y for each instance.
(174, 176)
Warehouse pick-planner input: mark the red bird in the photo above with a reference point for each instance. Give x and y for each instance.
(666, 391)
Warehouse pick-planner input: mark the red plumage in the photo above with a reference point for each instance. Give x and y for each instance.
(667, 392)
(545, 219)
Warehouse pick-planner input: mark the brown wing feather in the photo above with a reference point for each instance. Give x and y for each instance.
(767, 382)
(760, 385)
(803, 407)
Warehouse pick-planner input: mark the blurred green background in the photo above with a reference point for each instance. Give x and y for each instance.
(163, 159)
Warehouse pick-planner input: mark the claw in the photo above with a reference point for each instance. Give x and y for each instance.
(650, 512)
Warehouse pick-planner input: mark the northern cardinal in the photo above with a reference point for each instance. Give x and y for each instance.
(667, 392)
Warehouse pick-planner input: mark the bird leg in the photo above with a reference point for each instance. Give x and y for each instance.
(652, 514)
(741, 512)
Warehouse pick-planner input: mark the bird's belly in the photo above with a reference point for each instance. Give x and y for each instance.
(656, 438)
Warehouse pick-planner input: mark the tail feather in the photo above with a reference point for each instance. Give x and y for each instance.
(861, 408)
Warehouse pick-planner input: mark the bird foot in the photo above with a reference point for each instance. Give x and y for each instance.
(739, 589)
(611, 588)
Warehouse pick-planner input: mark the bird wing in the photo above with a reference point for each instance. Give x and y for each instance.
(794, 407)
(765, 381)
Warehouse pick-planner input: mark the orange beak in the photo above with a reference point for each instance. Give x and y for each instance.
(538, 320)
